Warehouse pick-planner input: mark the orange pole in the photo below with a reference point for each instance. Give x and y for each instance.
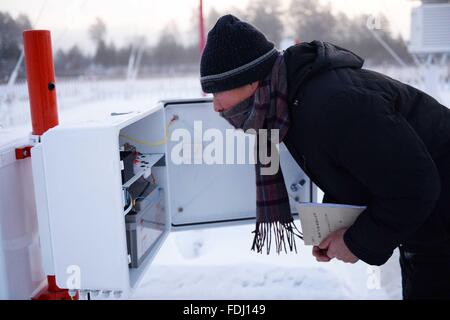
(41, 80)
(44, 114)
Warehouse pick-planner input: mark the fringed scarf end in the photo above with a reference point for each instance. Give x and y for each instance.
(282, 231)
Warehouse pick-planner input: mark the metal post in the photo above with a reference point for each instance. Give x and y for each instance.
(40, 74)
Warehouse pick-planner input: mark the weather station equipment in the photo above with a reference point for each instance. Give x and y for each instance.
(430, 42)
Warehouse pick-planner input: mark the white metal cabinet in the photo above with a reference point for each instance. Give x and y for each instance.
(82, 202)
(21, 271)
(430, 29)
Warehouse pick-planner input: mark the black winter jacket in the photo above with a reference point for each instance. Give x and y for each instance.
(366, 139)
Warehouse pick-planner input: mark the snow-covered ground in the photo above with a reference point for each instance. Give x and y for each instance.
(87, 99)
(214, 263)
(217, 263)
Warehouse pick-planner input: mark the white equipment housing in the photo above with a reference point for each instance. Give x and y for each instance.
(21, 270)
(430, 28)
(80, 198)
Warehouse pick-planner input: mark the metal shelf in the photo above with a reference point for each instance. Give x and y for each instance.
(147, 161)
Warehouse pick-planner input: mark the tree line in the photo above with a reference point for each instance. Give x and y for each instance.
(301, 20)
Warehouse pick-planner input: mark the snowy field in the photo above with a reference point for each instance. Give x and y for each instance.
(80, 100)
(217, 263)
(212, 263)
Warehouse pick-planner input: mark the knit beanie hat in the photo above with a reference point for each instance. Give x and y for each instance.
(236, 54)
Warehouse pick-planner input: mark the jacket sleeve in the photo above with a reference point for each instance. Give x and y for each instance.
(328, 199)
(378, 147)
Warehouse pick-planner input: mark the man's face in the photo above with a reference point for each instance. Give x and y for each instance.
(227, 99)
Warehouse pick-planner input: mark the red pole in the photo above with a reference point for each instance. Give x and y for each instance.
(201, 43)
(44, 114)
(53, 292)
(41, 80)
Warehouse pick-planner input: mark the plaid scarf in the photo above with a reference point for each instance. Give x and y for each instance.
(267, 109)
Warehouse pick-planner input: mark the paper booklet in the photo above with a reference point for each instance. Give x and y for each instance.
(318, 220)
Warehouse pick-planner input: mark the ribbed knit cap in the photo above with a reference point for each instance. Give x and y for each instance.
(236, 53)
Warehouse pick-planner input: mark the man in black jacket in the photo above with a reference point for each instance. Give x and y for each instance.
(362, 137)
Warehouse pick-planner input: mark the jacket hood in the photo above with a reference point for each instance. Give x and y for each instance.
(305, 60)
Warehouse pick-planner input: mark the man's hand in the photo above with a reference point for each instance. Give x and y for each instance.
(334, 246)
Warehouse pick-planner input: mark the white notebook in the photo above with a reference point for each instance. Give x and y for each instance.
(318, 220)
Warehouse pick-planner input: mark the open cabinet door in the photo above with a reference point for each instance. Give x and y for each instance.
(215, 183)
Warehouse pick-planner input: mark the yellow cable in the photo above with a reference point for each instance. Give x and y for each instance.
(155, 143)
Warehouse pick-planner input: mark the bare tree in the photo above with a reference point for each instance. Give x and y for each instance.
(211, 19)
(266, 15)
(97, 31)
(311, 20)
(168, 50)
(11, 44)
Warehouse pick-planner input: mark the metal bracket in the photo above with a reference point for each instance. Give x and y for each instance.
(24, 152)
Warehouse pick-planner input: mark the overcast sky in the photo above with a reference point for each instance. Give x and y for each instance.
(69, 19)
